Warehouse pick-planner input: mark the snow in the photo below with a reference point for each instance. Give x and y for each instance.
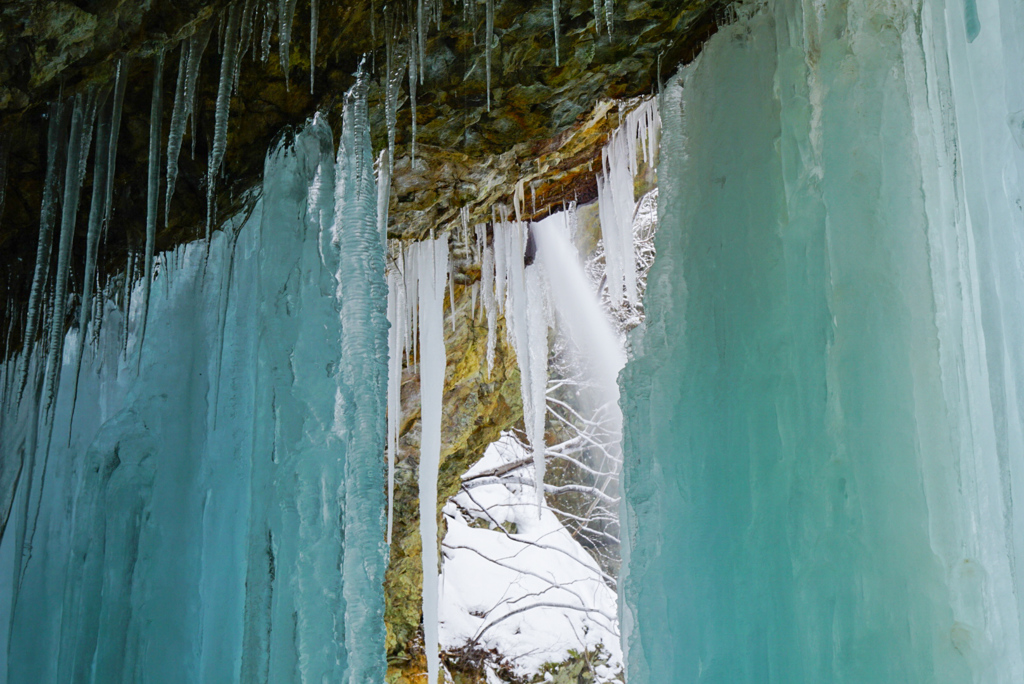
(533, 594)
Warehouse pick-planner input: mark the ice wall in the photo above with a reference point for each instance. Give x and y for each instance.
(823, 427)
(195, 526)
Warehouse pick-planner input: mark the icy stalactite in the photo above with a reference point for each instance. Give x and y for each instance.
(96, 211)
(609, 13)
(363, 391)
(152, 193)
(269, 18)
(421, 38)
(223, 108)
(598, 11)
(55, 146)
(555, 11)
(393, 77)
(383, 194)
(245, 40)
(413, 70)
(488, 45)
(637, 133)
(396, 340)
(179, 119)
(314, 25)
(487, 285)
(286, 19)
(432, 265)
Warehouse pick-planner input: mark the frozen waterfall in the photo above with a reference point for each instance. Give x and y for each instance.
(823, 417)
(195, 526)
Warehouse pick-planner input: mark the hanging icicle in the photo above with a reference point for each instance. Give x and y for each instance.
(244, 38)
(396, 339)
(421, 37)
(432, 263)
(96, 212)
(153, 193)
(488, 46)
(555, 11)
(269, 16)
(55, 144)
(220, 127)
(412, 95)
(178, 116)
(314, 21)
(286, 17)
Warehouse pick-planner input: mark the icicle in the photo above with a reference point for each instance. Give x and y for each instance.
(451, 292)
(179, 115)
(396, 336)
(412, 95)
(421, 37)
(609, 11)
(597, 16)
(391, 96)
(555, 10)
(244, 38)
(69, 212)
(220, 127)
(362, 388)
(487, 285)
(153, 191)
(314, 20)
(286, 17)
(269, 15)
(488, 45)
(433, 265)
(96, 211)
(48, 212)
(383, 194)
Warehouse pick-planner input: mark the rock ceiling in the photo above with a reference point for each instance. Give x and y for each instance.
(545, 125)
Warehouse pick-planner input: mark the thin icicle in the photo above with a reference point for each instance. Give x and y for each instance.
(269, 15)
(488, 45)
(383, 193)
(153, 191)
(69, 212)
(396, 337)
(433, 266)
(421, 37)
(220, 126)
(179, 116)
(314, 21)
(55, 139)
(96, 212)
(451, 292)
(412, 94)
(487, 284)
(286, 17)
(244, 38)
(555, 12)
(609, 12)
(597, 16)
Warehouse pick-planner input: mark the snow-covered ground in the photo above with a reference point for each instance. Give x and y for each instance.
(516, 581)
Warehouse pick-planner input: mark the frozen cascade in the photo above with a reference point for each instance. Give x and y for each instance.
(172, 547)
(223, 108)
(431, 257)
(153, 191)
(822, 414)
(362, 395)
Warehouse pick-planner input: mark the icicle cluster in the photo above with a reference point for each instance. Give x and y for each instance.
(637, 133)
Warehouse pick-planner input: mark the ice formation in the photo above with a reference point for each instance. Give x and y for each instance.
(823, 415)
(191, 533)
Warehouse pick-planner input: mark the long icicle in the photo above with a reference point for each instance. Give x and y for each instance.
(488, 44)
(96, 212)
(314, 21)
(116, 109)
(286, 17)
(153, 193)
(555, 11)
(179, 115)
(244, 38)
(58, 118)
(412, 94)
(220, 126)
(51, 376)
(421, 37)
